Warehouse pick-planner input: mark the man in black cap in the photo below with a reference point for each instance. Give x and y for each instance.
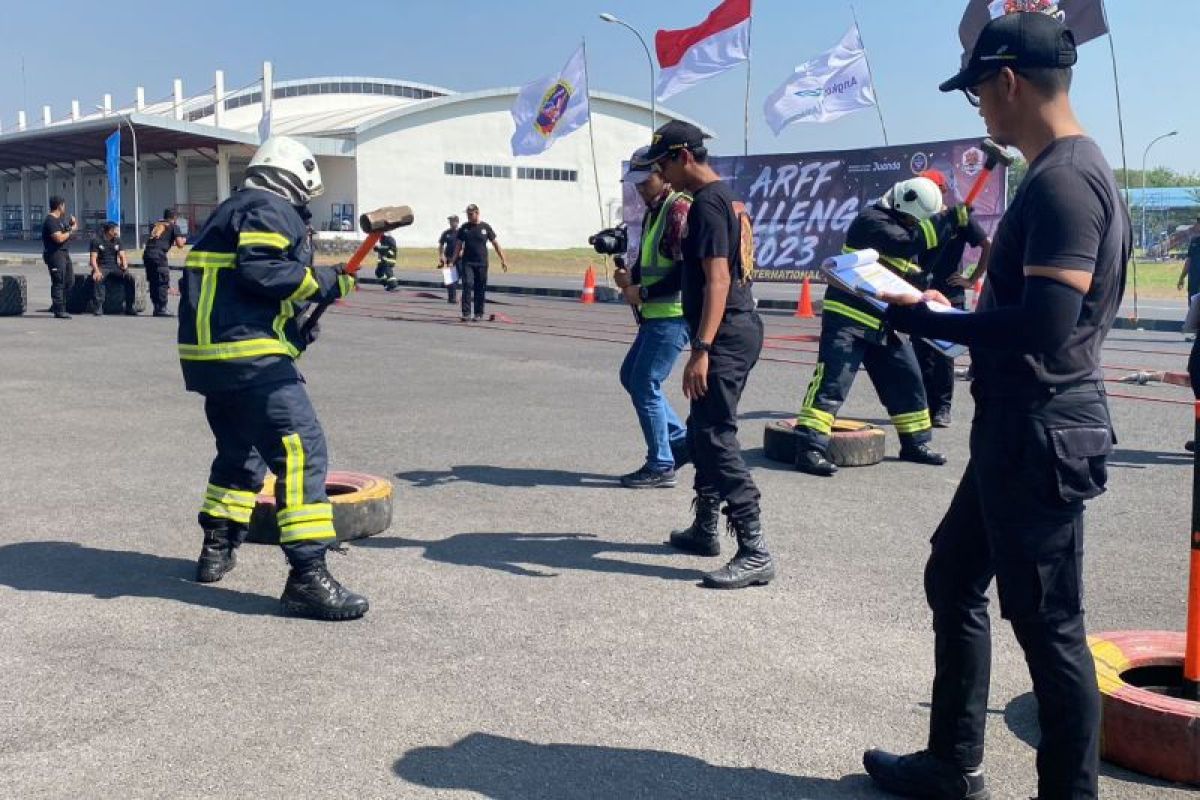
(471, 256)
(108, 264)
(164, 235)
(727, 338)
(1041, 431)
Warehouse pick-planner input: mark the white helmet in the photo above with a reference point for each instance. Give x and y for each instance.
(918, 197)
(289, 156)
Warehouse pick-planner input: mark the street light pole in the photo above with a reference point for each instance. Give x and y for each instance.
(1144, 155)
(137, 206)
(649, 59)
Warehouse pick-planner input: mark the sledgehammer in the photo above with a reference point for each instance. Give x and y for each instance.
(374, 224)
(994, 155)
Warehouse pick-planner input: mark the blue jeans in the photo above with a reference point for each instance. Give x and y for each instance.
(648, 363)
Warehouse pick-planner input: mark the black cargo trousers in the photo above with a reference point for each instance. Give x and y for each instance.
(1018, 516)
(62, 278)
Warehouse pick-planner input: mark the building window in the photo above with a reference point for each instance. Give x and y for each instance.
(547, 174)
(478, 170)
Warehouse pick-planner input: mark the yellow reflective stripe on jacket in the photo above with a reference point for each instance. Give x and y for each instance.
(199, 259)
(931, 237)
(964, 215)
(900, 264)
(221, 351)
(286, 312)
(914, 422)
(345, 285)
(263, 239)
(307, 288)
(860, 317)
(293, 479)
(204, 306)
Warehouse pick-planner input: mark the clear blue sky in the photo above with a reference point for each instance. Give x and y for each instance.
(476, 44)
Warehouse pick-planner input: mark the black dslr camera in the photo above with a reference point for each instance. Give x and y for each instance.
(611, 241)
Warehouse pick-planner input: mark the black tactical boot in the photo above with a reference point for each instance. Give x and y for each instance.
(814, 462)
(921, 454)
(217, 556)
(701, 537)
(923, 774)
(752, 565)
(314, 593)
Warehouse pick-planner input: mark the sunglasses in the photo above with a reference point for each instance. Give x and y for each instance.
(972, 92)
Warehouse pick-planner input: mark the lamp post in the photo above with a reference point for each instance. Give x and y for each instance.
(1144, 154)
(137, 208)
(650, 59)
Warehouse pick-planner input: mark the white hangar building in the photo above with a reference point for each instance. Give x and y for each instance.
(378, 141)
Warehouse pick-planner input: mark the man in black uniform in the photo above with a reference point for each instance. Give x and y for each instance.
(727, 338)
(903, 224)
(246, 283)
(385, 269)
(164, 235)
(1041, 431)
(941, 266)
(108, 263)
(447, 245)
(56, 233)
(472, 257)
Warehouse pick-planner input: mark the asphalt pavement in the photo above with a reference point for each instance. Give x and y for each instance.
(530, 636)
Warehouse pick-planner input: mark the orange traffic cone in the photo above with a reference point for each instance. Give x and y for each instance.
(589, 286)
(804, 309)
(978, 289)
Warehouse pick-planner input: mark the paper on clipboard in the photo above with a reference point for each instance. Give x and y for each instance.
(861, 274)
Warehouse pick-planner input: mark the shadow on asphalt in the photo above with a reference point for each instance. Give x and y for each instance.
(510, 769)
(71, 568)
(1140, 459)
(523, 553)
(516, 477)
(1021, 718)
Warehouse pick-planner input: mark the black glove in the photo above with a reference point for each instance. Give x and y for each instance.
(619, 261)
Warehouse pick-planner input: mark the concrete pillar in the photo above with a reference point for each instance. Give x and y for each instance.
(25, 204)
(223, 190)
(140, 102)
(178, 99)
(268, 96)
(74, 109)
(77, 202)
(20, 120)
(49, 177)
(45, 116)
(219, 99)
(181, 179)
(108, 104)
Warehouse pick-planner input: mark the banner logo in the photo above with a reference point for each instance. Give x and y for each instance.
(553, 105)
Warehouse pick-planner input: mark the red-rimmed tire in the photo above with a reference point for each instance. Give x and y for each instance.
(1148, 731)
(362, 507)
(852, 444)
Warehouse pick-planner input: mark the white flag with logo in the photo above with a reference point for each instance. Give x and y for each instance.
(829, 86)
(551, 107)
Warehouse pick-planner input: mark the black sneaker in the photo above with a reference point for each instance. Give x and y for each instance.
(924, 775)
(464, 318)
(814, 462)
(478, 318)
(316, 594)
(61, 315)
(129, 312)
(97, 312)
(942, 419)
(646, 478)
(921, 454)
(162, 312)
(1189, 445)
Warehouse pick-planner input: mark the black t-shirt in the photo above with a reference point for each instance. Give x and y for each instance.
(475, 238)
(50, 226)
(447, 242)
(106, 251)
(713, 231)
(944, 261)
(1193, 256)
(158, 246)
(1068, 214)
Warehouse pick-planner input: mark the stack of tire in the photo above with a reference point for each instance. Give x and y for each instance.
(852, 443)
(362, 507)
(14, 296)
(79, 297)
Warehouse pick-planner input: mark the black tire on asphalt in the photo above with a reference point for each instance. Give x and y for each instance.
(79, 297)
(362, 507)
(853, 443)
(13, 295)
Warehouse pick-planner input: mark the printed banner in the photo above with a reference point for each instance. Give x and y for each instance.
(802, 203)
(112, 147)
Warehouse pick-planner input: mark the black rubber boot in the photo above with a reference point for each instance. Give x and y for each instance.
(218, 553)
(701, 537)
(752, 565)
(312, 592)
(921, 454)
(925, 775)
(814, 462)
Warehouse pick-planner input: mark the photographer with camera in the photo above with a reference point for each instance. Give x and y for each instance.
(652, 288)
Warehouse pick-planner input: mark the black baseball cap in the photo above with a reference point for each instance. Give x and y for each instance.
(675, 135)
(1028, 39)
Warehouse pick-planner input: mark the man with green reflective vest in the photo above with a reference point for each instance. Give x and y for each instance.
(906, 222)
(653, 289)
(245, 284)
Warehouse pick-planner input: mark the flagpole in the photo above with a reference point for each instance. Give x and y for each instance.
(874, 84)
(587, 79)
(749, 51)
(1112, 50)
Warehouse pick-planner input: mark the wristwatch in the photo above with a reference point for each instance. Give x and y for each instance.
(701, 346)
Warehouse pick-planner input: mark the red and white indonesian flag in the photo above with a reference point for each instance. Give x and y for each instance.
(688, 56)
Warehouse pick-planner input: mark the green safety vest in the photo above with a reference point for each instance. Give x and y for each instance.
(655, 266)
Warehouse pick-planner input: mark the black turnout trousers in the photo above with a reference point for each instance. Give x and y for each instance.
(158, 279)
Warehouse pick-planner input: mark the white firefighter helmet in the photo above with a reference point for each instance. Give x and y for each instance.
(289, 156)
(918, 197)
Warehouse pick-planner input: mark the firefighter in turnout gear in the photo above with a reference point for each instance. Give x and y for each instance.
(904, 223)
(246, 283)
(386, 250)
